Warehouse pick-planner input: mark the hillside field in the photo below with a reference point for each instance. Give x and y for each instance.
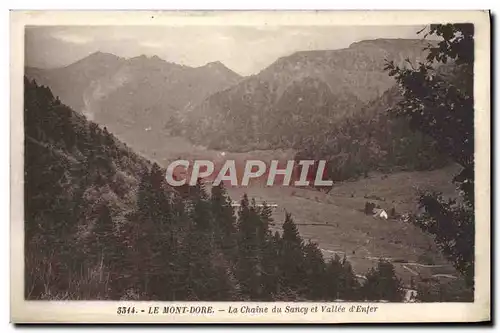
(336, 220)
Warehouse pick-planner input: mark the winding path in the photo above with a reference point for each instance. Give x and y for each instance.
(404, 264)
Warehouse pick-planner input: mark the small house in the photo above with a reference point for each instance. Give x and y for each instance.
(410, 296)
(380, 213)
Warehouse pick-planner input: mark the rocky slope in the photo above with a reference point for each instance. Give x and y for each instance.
(132, 94)
(295, 96)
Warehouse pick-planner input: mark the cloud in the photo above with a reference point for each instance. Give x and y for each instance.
(71, 37)
(151, 44)
(245, 49)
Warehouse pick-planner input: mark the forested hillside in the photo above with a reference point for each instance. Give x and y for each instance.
(131, 94)
(371, 140)
(102, 224)
(325, 105)
(317, 87)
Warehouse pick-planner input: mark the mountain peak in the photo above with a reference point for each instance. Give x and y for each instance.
(218, 66)
(215, 63)
(102, 55)
(140, 57)
(97, 58)
(152, 60)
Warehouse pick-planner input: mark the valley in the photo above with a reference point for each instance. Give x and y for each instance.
(328, 105)
(336, 220)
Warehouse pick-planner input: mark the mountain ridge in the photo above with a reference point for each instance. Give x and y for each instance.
(100, 55)
(251, 112)
(215, 107)
(139, 91)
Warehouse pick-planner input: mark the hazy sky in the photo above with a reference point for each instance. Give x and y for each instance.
(246, 50)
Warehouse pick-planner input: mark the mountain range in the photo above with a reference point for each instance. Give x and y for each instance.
(101, 223)
(213, 106)
(132, 94)
(296, 96)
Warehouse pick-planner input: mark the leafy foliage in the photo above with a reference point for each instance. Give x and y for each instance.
(438, 101)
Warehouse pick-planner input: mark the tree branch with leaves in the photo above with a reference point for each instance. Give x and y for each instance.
(438, 100)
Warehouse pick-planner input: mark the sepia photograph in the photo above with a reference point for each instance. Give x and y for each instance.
(283, 163)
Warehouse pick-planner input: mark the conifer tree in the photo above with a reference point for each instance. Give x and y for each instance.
(164, 242)
(248, 264)
(269, 253)
(144, 194)
(224, 221)
(146, 233)
(104, 233)
(274, 273)
(200, 209)
(382, 284)
(315, 269)
(334, 269)
(348, 284)
(109, 251)
(292, 256)
(159, 206)
(202, 272)
(265, 214)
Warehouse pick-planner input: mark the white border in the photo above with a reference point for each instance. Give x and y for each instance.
(91, 311)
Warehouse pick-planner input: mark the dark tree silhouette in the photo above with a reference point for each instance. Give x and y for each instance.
(292, 256)
(382, 284)
(438, 101)
(101, 223)
(224, 221)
